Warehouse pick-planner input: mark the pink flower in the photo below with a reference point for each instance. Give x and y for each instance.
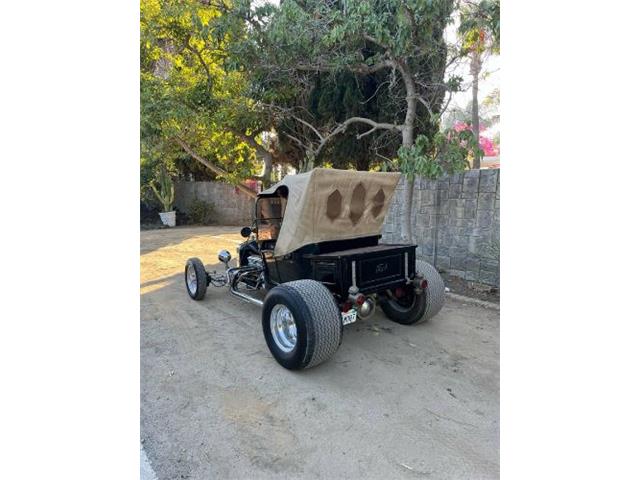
(461, 126)
(487, 147)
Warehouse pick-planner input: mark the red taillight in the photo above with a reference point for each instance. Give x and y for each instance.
(346, 306)
(423, 284)
(360, 298)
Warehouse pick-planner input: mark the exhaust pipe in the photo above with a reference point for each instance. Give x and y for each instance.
(367, 308)
(234, 275)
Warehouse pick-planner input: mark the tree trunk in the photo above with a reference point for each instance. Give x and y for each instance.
(268, 168)
(308, 162)
(407, 194)
(407, 141)
(476, 65)
(267, 159)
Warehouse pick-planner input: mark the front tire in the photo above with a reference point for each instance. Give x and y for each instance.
(301, 324)
(195, 278)
(413, 308)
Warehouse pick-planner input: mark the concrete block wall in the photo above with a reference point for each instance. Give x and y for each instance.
(456, 221)
(230, 207)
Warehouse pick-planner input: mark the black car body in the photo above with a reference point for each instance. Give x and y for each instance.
(314, 247)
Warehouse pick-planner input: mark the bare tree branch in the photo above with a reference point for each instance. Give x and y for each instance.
(204, 64)
(362, 68)
(376, 41)
(313, 129)
(424, 102)
(220, 171)
(360, 135)
(343, 126)
(446, 105)
(297, 140)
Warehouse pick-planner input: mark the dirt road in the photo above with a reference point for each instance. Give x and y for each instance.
(394, 402)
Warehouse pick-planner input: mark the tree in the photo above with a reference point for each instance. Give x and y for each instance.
(236, 86)
(403, 38)
(480, 29)
(193, 100)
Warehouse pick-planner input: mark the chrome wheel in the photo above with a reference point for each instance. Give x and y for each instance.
(406, 302)
(192, 279)
(283, 328)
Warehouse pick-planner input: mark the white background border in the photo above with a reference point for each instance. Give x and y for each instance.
(69, 343)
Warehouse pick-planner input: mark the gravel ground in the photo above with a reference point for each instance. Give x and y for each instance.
(468, 289)
(394, 402)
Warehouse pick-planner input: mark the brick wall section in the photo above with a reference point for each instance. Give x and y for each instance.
(456, 223)
(230, 207)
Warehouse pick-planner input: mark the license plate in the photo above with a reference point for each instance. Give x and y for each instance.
(349, 317)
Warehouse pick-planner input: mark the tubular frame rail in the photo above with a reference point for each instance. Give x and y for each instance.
(234, 275)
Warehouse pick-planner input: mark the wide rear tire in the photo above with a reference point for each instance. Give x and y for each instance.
(418, 308)
(435, 289)
(301, 323)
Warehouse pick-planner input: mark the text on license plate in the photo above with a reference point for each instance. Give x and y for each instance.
(349, 317)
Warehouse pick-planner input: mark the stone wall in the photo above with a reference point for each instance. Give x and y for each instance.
(456, 223)
(230, 207)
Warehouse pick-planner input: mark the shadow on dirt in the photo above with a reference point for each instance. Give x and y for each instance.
(214, 403)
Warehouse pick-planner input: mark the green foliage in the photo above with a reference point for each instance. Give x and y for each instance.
(335, 98)
(448, 152)
(151, 163)
(216, 74)
(325, 27)
(188, 91)
(201, 212)
(316, 58)
(480, 26)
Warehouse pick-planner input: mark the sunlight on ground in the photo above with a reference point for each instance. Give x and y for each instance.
(147, 288)
(166, 251)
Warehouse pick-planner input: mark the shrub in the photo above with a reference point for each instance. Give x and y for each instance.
(201, 212)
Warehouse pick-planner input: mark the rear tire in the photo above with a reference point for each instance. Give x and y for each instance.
(195, 278)
(415, 308)
(435, 288)
(301, 324)
(407, 310)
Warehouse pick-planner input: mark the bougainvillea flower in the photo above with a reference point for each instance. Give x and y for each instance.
(487, 147)
(461, 126)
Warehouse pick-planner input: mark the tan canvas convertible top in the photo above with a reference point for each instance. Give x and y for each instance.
(327, 204)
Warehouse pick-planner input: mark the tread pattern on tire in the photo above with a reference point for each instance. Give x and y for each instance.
(435, 289)
(326, 323)
(201, 276)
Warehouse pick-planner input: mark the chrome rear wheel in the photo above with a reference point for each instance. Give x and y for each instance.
(301, 323)
(283, 328)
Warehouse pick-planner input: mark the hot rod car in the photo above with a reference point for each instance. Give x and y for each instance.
(314, 247)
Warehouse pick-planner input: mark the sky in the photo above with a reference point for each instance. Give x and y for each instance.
(489, 80)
